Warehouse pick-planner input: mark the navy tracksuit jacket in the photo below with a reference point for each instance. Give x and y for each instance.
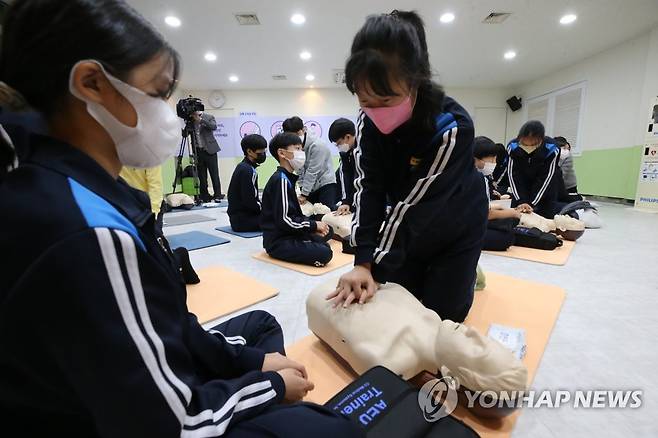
(243, 199)
(95, 335)
(345, 179)
(431, 240)
(533, 177)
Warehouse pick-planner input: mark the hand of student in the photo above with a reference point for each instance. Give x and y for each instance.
(514, 213)
(357, 284)
(277, 362)
(342, 210)
(496, 194)
(322, 229)
(524, 208)
(296, 385)
(302, 199)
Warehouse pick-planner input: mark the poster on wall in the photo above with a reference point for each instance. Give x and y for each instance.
(249, 122)
(647, 185)
(225, 136)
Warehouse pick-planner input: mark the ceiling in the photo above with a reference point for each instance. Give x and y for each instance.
(464, 53)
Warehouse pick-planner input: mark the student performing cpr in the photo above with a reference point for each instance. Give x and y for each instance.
(414, 149)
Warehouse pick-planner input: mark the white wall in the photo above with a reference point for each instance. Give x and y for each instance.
(613, 113)
(332, 101)
(651, 74)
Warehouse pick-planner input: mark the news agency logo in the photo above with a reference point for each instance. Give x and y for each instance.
(438, 398)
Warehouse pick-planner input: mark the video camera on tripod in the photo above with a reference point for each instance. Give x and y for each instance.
(185, 109)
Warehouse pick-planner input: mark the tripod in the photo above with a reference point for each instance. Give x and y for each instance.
(191, 146)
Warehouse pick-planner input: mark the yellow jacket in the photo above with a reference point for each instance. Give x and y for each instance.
(146, 180)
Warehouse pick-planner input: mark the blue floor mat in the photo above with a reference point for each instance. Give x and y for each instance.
(195, 240)
(245, 234)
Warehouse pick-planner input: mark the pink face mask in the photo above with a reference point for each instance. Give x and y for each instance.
(388, 118)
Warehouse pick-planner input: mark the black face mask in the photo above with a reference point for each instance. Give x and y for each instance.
(260, 157)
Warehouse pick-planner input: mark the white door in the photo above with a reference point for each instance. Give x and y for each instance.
(492, 123)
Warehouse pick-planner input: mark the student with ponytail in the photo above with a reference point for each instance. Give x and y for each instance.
(415, 149)
(95, 335)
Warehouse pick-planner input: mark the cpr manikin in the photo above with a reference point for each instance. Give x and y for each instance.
(395, 330)
(559, 222)
(342, 224)
(309, 209)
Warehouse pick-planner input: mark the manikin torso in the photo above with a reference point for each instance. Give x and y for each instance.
(395, 330)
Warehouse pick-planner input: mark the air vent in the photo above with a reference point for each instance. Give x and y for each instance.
(339, 76)
(247, 19)
(496, 17)
(279, 77)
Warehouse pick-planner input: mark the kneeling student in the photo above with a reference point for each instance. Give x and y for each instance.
(500, 226)
(287, 234)
(243, 201)
(342, 133)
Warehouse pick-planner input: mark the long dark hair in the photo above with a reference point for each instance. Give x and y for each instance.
(395, 43)
(43, 39)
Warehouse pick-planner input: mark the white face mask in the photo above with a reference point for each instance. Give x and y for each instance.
(345, 147)
(565, 153)
(152, 141)
(298, 160)
(487, 169)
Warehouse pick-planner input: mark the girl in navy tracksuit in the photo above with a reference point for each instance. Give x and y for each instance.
(95, 335)
(414, 147)
(532, 169)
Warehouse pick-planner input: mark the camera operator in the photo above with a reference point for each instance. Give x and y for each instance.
(204, 126)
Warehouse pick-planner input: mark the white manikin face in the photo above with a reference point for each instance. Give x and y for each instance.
(395, 330)
(476, 361)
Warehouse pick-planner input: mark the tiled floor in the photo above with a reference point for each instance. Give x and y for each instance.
(606, 336)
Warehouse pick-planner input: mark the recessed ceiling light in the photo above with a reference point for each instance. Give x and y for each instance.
(568, 19)
(233, 78)
(448, 17)
(310, 77)
(298, 19)
(210, 57)
(172, 21)
(305, 55)
(510, 54)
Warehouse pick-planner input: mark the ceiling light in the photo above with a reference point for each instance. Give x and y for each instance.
(510, 54)
(233, 78)
(172, 21)
(568, 19)
(298, 19)
(210, 57)
(448, 17)
(305, 55)
(310, 77)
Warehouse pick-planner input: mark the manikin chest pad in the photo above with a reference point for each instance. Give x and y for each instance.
(396, 331)
(342, 225)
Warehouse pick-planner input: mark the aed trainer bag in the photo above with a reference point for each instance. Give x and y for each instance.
(535, 238)
(386, 406)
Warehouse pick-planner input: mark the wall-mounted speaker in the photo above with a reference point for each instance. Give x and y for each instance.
(514, 103)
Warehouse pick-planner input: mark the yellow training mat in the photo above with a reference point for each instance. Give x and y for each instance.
(558, 256)
(223, 291)
(338, 261)
(506, 300)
